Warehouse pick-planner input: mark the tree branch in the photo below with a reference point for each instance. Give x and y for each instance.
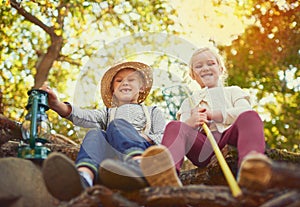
(44, 65)
(30, 17)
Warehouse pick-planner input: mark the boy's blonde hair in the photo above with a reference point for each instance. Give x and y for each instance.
(219, 58)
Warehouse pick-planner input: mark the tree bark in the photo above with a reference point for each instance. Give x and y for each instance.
(9, 130)
(1, 102)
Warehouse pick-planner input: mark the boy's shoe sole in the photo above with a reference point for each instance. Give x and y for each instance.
(119, 175)
(61, 177)
(255, 171)
(158, 167)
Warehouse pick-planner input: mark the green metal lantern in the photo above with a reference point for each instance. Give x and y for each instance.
(36, 127)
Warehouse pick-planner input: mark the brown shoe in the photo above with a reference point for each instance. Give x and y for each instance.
(122, 175)
(158, 167)
(61, 177)
(255, 171)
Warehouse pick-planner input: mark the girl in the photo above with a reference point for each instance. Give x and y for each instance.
(225, 109)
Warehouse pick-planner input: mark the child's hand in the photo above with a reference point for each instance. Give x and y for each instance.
(147, 138)
(52, 98)
(54, 103)
(198, 117)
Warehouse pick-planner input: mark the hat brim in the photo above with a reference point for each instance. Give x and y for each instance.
(108, 76)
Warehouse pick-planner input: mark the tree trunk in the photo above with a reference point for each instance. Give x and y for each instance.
(1, 102)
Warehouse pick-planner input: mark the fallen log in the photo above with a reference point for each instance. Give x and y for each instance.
(209, 175)
(202, 186)
(9, 130)
(191, 195)
(23, 178)
(287, 199)
(21, 184)
(10, 149)
(261, 174)
(96, 195)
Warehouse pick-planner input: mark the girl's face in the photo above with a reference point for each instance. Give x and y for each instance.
(127, 85)
(206, 69)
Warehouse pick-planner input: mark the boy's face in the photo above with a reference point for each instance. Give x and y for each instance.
(206, 69)
(127, 85)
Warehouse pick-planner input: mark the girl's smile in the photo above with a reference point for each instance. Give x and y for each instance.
(206, 69)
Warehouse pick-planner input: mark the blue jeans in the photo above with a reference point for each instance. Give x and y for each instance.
(119, 140)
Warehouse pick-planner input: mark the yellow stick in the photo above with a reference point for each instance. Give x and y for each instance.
(235, 189)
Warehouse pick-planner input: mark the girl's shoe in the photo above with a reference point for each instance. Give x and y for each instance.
(158, 167)
(122, 175)
(62, 178)
(255, 171)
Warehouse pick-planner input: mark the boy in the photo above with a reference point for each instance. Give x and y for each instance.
(124, 129)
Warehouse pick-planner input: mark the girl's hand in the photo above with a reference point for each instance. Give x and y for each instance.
(199, 116)
(147, 138)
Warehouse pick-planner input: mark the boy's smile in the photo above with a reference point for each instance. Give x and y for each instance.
(127, 84)
(125, 90)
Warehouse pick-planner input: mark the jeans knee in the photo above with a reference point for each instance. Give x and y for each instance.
(94, 135)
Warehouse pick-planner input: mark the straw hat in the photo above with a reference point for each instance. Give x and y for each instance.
(106, 90)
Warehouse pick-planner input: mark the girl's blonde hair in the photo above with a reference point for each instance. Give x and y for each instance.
(219, 58)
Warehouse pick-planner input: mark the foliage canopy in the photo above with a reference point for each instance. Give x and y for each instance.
(52, 40)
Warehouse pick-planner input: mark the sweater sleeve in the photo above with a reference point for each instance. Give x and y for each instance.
(158, 124)
(184, 111)
(88, 118)
(240, 102)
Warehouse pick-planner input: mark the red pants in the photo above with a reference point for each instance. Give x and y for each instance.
(246, 133)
